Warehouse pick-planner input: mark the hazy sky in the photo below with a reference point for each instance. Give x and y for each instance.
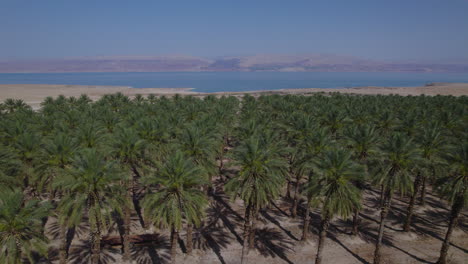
(376, 29)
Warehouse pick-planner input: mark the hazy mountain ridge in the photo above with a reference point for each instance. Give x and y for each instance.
(262, 62)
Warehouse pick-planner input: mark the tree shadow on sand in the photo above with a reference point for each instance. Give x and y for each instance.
(272, 243)
(214, 237)
(314, 221)
(273, 220)
(53, 231)
(432, 221)
(81, 253)
(221, 210)
(369, 233)
(154, 252)
(336, 240)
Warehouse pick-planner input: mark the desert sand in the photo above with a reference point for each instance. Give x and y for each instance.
(34, 94)
(219, 239)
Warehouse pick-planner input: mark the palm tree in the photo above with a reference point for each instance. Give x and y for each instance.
(315, 144)
(363, 141)
(56, 155)
(333, 187)
(9, 164)
(258, 182)
(334, 119)
(454, 187)
(178, 196)
(399, 156)
(129, 149)
(225, 117)
(386, 122)
(303, 126)
(27, 145)
(156, 132)
(21, 227)
(201, 148)
(90, 135)
(12, 105)
(91, 188)
(431, 144)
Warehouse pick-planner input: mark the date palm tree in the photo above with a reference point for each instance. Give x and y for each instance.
(363, 140)
(56, 154)
(91, 135)
(431, 144)
(299, 161)
(333, 187)
(129, 150)
(315, 144)
(9, 164)
(394, 167)
(178, 196)
(454, 187)
(21, 227)
(27, 146)
(91, 188)
(258, 182)
(201, 149)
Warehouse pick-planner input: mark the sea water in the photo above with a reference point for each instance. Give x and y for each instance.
(235, 81)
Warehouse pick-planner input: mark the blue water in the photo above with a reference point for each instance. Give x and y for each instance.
(235, 81)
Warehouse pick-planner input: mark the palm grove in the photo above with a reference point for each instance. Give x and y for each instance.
(100, 164)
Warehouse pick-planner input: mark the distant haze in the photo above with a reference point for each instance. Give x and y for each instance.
(416, 31)
(256, 63)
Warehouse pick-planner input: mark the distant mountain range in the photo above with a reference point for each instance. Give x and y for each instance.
(283, 63)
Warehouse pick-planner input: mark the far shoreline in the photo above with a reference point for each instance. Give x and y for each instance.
(34, 94)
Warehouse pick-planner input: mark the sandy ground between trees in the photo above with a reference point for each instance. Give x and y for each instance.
(277, 238)
(34, 94)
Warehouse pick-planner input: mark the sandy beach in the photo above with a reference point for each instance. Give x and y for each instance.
(34, 94)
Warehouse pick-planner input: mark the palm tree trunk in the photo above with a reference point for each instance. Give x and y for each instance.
(221, 161)
(356, 222)
(18, 253)
(383, 215)
(126, 233)
(136, 202)
(296, 197)
(410, 211)
(174, 238)
(245, 243)
(288, 190)
(252, 228)
(382, 195)
(189, 238)
(209, 187)
(422, 199)
(322, 236)
(305, 228)
(63, 252)
(455, 212)
(134, 182)
(95, 245)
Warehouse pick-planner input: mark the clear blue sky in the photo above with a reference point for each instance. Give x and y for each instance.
(376, 29)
